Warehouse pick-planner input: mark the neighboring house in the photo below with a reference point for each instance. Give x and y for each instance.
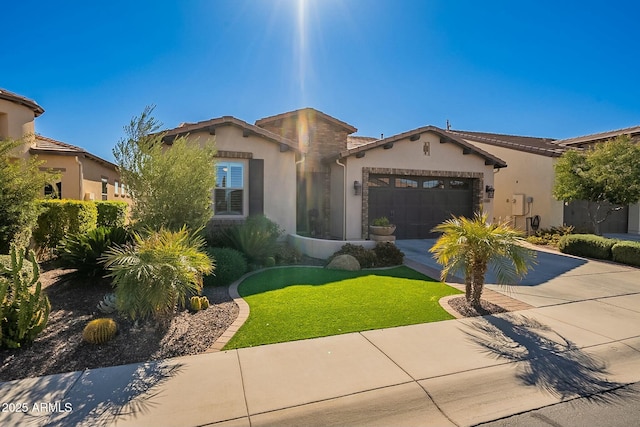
(83, 176)
(626, 220)
(303, 170)
(525, 188)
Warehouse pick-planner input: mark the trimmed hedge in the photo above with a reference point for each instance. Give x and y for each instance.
(626, 253)
(587, 245)
(384, 254)
(111, 213)
(61, 218)
(230, 265)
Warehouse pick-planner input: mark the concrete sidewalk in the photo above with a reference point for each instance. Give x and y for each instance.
(458, 372)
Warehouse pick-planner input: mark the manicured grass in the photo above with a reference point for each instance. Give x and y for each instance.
(296, 303)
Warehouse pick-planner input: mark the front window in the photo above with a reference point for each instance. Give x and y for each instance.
(53, 192)
(228, 194)
(105, 183)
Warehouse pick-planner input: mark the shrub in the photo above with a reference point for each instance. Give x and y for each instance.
(99, 331)
(111, 213)
(388, 254)
(626, 253)
(23, 312)
(549, 236)
(287, 254)
(256, 238)
(366, 257)
(83, 251)
(61, 218)
(383, 221)
(587, 245)
(230, 266)
(5, 262)
(157, 273)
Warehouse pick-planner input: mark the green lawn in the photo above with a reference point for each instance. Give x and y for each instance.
(295, 303)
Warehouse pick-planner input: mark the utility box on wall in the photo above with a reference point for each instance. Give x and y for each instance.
(517, 205)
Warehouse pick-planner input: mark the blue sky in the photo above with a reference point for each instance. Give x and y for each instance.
(543, 68)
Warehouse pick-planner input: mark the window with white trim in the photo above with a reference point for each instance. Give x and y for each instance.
(105, 187)
(116, 188)
(228, 196)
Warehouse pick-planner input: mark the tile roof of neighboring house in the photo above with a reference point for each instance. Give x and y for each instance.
(542, 146)
(294, 113)
(44, 145)
(210, 126)
(598, 137)
(354, 141)
(445, 136)
(19, 99)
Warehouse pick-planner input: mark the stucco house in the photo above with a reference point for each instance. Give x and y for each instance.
(83, 176)
(304, 170)
(524, 189)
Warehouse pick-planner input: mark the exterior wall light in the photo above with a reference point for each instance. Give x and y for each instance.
(490, 191)
(357, 188)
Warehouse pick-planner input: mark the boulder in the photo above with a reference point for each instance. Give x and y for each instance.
(344, 262)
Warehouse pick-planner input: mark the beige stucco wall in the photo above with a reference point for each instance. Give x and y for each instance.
(81, 176)
(279, 172)
(404, 155)
(16, 121)
(529, 174)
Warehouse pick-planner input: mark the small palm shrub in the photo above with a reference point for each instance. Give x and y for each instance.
(587, 245)
(82, 251)
(366, 257)
(256, 238)
(626, 253)
(388, 254)
(24, 311)
(230, 266)
(157, 273)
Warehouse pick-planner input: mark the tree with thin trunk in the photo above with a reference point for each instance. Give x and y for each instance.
(471, 246)
(606, 175)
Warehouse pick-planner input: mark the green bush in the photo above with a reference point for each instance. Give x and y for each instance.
(5, 263)
(61, 218)
(157, 273)
(388, 255)
(111, 213)
(287, 254)
(550, 236)
(24, 311)
(366, 257)
(256, 238)
(586, 245)
(626, 253)
(230, 266)
(83, 251)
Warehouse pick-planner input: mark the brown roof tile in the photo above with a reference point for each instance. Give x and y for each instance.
(19, 99)
(294, 113)
(186, 128)
(598, 137)
(542, 146)
(490, 159)
(44, 145)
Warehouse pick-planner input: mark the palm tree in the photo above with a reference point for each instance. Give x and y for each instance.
(471, 245)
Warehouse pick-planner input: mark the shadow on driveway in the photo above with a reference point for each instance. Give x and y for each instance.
(549, 360)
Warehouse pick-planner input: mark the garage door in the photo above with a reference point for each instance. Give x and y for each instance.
(417, 204)
(576, 214)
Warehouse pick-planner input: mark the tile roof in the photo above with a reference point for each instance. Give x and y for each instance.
(44, 145)
(210, 125)
(19, 99)
(543, 146)
(602, 136)
(445, 136)
(354, 141)
(294, 113)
